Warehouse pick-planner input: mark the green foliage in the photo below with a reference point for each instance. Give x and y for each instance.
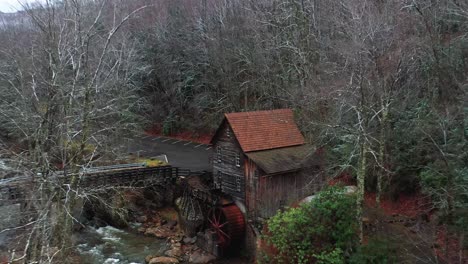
(409, 152)
(376, 251)
(263, 258)
(344, 151)
(333, 257)
(448, 192)
(461, 201)
(167, 127)
(324, 229)
(430, 151)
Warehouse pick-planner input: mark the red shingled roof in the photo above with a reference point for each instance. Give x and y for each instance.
(262, 130)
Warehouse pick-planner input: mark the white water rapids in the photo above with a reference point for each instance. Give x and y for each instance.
(110, 245)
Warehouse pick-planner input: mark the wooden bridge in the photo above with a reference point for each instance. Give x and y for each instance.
(12, 191)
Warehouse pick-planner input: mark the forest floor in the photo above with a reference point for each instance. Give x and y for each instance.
(411, 228)
(409, 224)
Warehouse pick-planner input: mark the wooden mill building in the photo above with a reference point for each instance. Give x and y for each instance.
(261, 160)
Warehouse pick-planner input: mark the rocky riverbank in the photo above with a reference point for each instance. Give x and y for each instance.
(147, 214)
(164, 224)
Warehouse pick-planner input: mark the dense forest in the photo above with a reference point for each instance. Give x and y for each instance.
(382, 86)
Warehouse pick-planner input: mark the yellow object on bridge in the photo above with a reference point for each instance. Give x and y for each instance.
(152, 162)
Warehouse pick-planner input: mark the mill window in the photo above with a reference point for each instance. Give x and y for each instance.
(237, 160)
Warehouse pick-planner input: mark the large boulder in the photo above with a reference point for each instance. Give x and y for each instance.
(201, 257)
(190, 240)
(107, 209)
(149, 258)
(175, 252)
(163, 260)
(171, 224)
(158, 232)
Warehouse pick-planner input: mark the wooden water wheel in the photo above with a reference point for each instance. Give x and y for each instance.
(228, 223)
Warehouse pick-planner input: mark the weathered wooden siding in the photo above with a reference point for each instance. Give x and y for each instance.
(265, 194)
(228, 163)
(251, 179)
(280, 190)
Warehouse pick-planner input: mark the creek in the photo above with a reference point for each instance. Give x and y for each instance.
(110, 245)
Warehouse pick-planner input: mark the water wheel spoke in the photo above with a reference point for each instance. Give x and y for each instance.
(225, 223)
(221, 225)
(221, 238)
(214, 222)
(224, 234)
(211, 222)
(219, 217)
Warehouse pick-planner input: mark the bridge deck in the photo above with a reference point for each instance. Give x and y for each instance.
(12, 191)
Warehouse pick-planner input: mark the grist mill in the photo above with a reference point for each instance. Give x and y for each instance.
(261, 163)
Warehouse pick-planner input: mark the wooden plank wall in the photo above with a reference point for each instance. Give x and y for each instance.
(281, 190)
(251, 179)
(226, 174)
(277, 191)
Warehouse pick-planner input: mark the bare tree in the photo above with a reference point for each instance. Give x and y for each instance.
(68, 95)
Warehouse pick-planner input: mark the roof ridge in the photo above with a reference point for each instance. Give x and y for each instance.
(259, 112)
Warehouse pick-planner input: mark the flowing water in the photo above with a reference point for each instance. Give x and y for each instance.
(111, 245)
(104, 245)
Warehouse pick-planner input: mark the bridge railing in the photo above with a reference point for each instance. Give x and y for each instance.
(131, 176)
(113, 167)
(128, 176)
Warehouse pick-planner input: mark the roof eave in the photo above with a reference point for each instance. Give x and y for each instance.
(266, 149)
(282, 172)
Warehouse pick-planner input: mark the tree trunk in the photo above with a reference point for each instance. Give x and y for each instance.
(382, 172)
(460, 250)
(361, 176)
